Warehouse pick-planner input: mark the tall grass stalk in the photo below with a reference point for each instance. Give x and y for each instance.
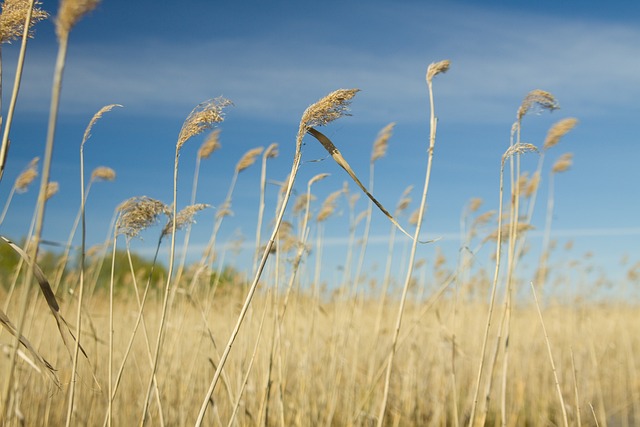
(203, 117)
(83, 198)
(553, 365)
(433, 70)
(328, 109)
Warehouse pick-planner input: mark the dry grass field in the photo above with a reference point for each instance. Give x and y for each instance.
(448, 343)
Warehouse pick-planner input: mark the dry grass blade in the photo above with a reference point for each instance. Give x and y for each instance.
(559, 130)
(47, 292)
(14, 15)
(337, 156)
(41, 361)
(203, 117)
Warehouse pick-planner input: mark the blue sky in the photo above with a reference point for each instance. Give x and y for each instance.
(273, 59)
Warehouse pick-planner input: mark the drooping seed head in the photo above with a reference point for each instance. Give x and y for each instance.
(326, 110)
(138, 213)
(557, 131)
(70, 12)
(436, 68)
(537, 98)
(381, 143)
(248, 159)
(532, 184)
(211, 144)
(184, 217)
(317, 178)
(328, 206)
(13, 17)
(95, 118)
(271, 151)
(519, 148)
(103, 173)
(201, 118)
(474, 204)
(563, 164)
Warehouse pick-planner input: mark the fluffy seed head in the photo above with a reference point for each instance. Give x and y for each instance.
(211, 144)
(563, 164)
(326, 110)
(328, 206)
(317, 178)
(474, 204)
(184, 217)
(381, 143)
(27, 176)
(13, 16)
(203, 117)
(138, 213)
(436, 68)
(52, 190)
(540, 98)
(519, 148)
(95, 118)
(559, 130)
(104, 173)
(248, 159)
(532, 184)
(70, 12)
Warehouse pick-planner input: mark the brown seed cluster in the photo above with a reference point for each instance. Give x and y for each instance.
(436, 68)
(103, 173)
(70, 12)
(13, 17)
(203, 117)
(138, 213)
(559, 130)
(184, 217)
(381, 143)
(248, 159)
(540, 98)
(326, 110)
(211, 144)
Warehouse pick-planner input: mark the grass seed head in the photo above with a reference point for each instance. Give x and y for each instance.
(436, 68)
(474, 204)
(201, 118)
(27, 176)
(52, 190)
(328, 206)
(381, 143)
(559, 130)
(519, 148)
(97, 116)
(563, 164)
(271, 151)
(211, 144)
(248, 159)
(184, 217)
(13, 16)
(70, 12)
(540, 98)
(103, 173)
(138, 213)
(326, 110)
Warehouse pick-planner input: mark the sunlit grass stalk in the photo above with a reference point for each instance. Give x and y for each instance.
(31, 16)
(203, 117)
(433, 70)
(271, 151)
(83, 199)
(330, 108)
(553, 365)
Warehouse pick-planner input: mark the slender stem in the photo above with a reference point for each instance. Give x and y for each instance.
(4, 148)
(252, 289)
(414, 245)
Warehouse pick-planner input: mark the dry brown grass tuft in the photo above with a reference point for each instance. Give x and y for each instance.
(381, 143)
(436, 68)
(184, 217)
(52, 189)
(326, 110)
(540, 98)
(27, 176)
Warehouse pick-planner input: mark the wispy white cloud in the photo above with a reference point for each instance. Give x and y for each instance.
(590, 65)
